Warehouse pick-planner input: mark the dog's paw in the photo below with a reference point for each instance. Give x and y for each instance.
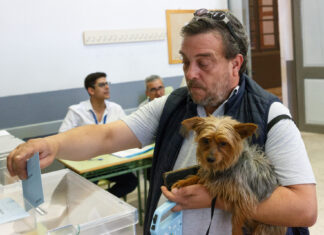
(186, 182)
(179, 184)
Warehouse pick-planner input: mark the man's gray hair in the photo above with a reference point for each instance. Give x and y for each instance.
(232, 47)
(152, 78)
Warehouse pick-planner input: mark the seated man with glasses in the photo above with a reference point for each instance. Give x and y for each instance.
(98, 110)
(154, 88)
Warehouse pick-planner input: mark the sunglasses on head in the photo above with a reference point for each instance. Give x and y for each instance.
(219, 16)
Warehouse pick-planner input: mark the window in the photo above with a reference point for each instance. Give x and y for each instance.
(264, 25)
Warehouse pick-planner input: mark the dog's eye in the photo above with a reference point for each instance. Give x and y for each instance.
(205, 140)
(222, 144)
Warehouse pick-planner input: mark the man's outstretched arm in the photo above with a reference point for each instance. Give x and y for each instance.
(77, 144)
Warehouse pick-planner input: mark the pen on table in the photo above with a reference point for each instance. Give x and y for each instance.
(96, 159)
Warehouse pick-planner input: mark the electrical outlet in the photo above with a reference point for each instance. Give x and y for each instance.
(119, 36)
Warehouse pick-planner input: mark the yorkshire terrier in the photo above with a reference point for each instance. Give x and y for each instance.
(232, 171)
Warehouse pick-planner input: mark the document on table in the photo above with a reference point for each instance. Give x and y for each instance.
(32, 186)
(133, 152)
(10, 210)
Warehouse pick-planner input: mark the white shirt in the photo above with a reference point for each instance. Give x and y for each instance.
(284, 147)
(83, 114)
(144, 102)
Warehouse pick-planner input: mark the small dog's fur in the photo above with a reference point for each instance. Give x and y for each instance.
(238, 174)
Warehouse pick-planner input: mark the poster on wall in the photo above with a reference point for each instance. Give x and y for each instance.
(176, 19)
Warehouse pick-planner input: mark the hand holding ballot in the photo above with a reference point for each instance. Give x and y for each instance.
(77, 144)
(16, 161)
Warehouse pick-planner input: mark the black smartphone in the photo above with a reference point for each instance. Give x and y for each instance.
(172, 177)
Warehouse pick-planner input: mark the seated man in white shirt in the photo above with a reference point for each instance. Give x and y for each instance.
(154, 88)
(98, 110)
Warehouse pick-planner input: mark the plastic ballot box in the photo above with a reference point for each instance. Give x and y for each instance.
(72, 205)
(8, 142)
(5, 177)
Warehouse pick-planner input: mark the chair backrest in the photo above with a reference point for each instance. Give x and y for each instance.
(168, 90)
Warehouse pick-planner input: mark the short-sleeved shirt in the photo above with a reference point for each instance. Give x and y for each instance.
(284, 147)
(83, 114)
(144, 102)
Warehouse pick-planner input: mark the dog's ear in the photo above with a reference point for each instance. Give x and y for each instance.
(245, 129)
(190, 124)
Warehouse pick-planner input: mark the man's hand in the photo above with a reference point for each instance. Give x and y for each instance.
(16, 161)
(189, 197)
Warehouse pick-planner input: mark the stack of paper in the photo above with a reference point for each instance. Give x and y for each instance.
(133, 152)
(10, 210)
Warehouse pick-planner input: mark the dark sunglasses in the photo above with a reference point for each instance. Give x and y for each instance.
(220, 16)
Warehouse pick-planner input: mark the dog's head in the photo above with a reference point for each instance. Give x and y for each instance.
(220, 140)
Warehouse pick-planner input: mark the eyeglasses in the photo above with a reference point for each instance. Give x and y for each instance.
(156, 89)
(220, 16)
(103, 84)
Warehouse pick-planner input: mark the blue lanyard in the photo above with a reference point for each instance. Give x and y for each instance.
(95, 118)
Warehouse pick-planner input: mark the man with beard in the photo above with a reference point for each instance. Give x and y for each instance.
(214, 51)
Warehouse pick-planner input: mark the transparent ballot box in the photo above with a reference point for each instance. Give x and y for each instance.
(5, 177)
(8, 143)
(72, 205)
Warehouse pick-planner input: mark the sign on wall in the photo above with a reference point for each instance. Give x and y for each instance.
(176, 19)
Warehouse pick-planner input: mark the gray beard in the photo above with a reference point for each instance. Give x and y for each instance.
(213, 100)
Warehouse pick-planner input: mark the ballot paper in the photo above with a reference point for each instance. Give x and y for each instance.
(32, 186)
(133, 152)
(10, 210)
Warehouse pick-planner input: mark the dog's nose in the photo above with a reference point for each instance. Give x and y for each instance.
(210, 159)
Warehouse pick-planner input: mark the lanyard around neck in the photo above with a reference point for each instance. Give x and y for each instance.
(95, 117)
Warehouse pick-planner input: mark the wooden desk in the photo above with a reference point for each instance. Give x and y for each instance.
(105, 166)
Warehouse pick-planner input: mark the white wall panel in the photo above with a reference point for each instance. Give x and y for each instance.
(314, 102)
(313, 32)
(41, 46)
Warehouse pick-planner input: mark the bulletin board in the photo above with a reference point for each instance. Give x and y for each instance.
(176, 19)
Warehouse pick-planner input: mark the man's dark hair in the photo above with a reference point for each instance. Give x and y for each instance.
(232, 46)
(91, 79)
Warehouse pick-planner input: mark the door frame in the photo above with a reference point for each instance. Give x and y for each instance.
(303, 72)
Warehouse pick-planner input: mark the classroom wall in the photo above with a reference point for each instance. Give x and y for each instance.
(42, 48)
(53, 105)
(43, 60)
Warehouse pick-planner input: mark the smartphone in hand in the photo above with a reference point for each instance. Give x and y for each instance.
(172, 177)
